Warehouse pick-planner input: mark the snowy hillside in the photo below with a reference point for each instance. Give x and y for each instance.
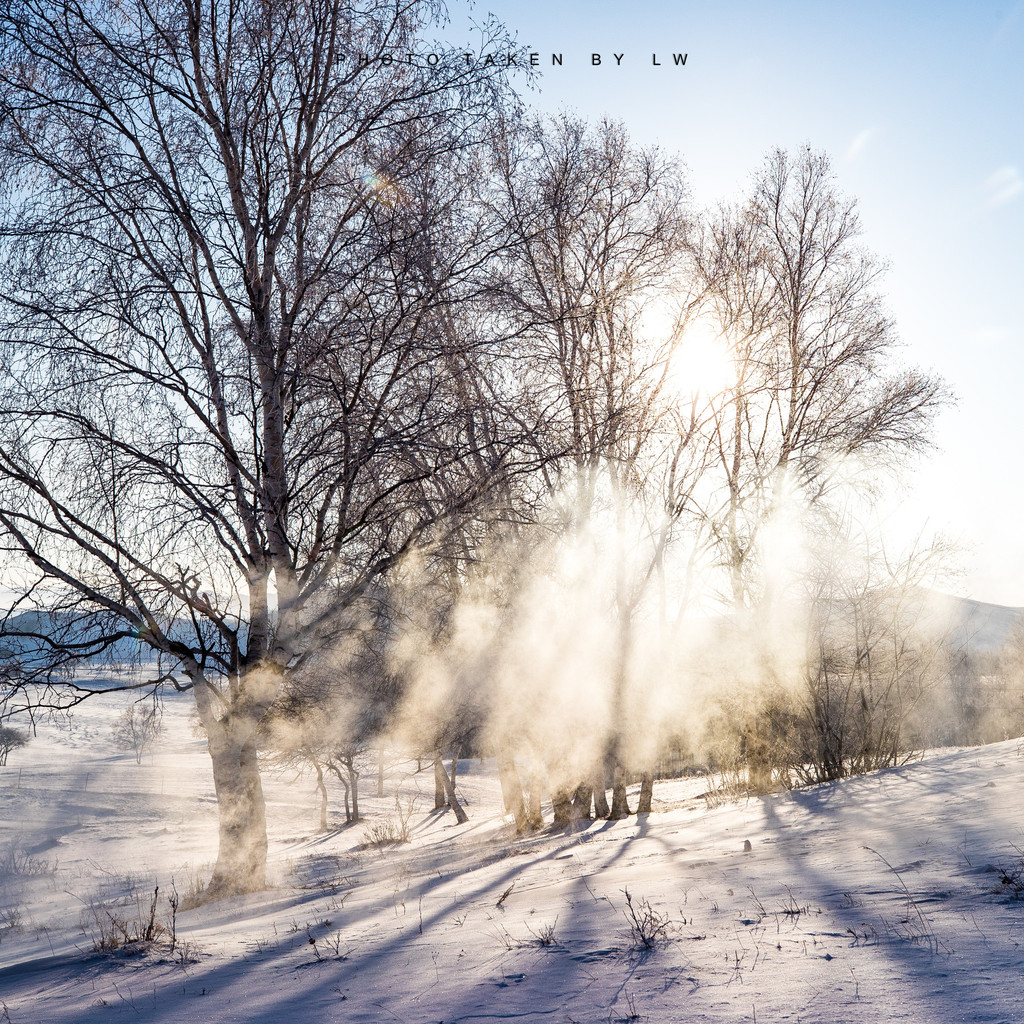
(982, 626)
(886, 898)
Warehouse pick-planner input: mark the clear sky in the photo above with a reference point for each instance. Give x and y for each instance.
(921, 106)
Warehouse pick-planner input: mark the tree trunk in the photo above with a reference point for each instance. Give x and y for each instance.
(620, 805)
(759, 764)
(601, 808)
(348, 789)
(353, 776)
(581, 800)
(231, 740)
(534, 815)
(344, 779)
(453, 801)
(323, 794)
(512, 789)
(439, 787)
(562, 805)
(242, 853)
(646, 793)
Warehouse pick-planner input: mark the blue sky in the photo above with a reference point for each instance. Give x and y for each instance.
(921, 106)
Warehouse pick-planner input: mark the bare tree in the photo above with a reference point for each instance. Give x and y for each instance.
(137, 729)
(815, 400)
(226, 394)
(11, 739)
(814, 390)
(875, 651)
(600, 227)
(985, 703)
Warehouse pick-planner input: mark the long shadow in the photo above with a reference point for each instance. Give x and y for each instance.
(915, 962)
(546, 963)
(560, 973)
(550, 978)
(279, 957)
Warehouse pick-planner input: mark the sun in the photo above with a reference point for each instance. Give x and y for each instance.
(699, 366)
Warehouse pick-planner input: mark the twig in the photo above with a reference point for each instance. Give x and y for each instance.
(505, 895)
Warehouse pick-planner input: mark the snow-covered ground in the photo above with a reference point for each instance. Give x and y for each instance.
(876, 899)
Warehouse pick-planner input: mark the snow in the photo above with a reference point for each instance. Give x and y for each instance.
(875, 899)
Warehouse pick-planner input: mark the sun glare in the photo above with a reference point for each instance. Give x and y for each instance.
(700, 365)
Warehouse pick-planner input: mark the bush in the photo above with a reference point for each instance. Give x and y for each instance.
(393, 829)
(133, 925)
(1011, 878)
(647, 927)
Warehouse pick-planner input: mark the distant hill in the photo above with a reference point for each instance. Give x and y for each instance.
(20, 640)
(978, 624)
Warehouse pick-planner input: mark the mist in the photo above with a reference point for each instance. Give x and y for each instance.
(597, 647)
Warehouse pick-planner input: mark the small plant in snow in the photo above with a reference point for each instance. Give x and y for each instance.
(759, 907)
(16, 860)
(123, 927)
(506, 940)
(10, 919)
(790, 907)
(403, 813)
(330, 943)
(1011, 878)
(647, 926)
(334, 944)
(545, 934)
(131, 924)
(188, 952)
(382, 833)
(194, 886)
(394, 829)
(913, 926)
(631, 1007)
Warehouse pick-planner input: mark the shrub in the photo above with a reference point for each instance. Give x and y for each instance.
(393, 829)
(126, 926)
(647, 926)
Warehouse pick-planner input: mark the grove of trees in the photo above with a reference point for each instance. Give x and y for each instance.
(352, 398)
